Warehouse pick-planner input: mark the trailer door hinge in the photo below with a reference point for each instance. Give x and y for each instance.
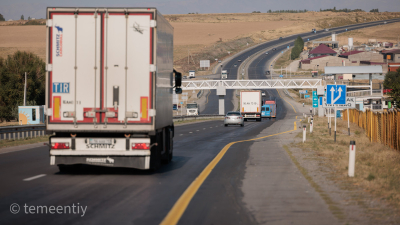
(153, 68)
(49, 67)
(152, 112)
(49, 23)
(49, 112)
(153, 23)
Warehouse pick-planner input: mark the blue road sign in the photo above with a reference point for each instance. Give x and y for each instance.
(308, 39)
(281, 75)
(181, 103)
(288, 46)
(314, 99)
(336, 94)
(320, 100)
(306, 96)
(282, 51)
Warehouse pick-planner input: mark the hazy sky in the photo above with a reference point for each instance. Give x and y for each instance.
(13, 9)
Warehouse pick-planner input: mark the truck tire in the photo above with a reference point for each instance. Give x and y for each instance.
(67, 168)
(155, 152)
(167, 157)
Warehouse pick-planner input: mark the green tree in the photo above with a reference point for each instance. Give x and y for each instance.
(297, 48)
(22, 17)
(392, 81)
(12, 79)
(2, 18)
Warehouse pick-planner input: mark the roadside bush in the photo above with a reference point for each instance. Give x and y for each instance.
(12, 79)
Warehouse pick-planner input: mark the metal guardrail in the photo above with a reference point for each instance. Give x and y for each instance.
(287, 93)
(23, 131)
(364, 93)
(200, 93)
(199, 117)
(32, 131)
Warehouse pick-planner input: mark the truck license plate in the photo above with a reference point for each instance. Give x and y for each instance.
(100, 141)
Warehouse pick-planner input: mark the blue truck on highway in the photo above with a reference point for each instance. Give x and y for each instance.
(269, 109)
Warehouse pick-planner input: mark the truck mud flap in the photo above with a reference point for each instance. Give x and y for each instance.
(138, 162)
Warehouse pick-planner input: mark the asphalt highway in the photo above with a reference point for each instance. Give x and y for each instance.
(128, 196)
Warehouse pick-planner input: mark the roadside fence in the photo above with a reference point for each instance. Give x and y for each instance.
(381, 127)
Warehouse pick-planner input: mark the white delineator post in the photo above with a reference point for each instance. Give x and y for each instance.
(348, 121)
(352, 158)
(304, 133)
(311, 126)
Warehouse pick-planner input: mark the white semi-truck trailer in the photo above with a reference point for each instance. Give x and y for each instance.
(109, 87)
(250, 104)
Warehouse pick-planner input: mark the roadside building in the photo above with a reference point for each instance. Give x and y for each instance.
(355, 57)
(393, 66)
(391, 55)
(322, 50)
(320, 62)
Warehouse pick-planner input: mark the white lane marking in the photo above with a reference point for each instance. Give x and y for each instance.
(180, 134)
(197, 130)
(210, 127)
(35, 177)
(190, 132)
(204, 128)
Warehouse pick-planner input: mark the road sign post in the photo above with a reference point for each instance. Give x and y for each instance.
(336, 97)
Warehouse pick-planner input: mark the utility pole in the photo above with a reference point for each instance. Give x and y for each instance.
(25, 91)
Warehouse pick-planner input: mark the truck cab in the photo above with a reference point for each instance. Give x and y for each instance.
(224, 74)
(192, 73)
(192, 109)
(265, 111)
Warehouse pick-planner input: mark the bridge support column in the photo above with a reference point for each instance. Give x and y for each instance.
(221, 92)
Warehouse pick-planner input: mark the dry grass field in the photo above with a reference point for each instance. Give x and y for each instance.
(382, 33)
(206, 36)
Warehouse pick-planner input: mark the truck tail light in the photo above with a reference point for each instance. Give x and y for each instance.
(141, 146)
(60, 145)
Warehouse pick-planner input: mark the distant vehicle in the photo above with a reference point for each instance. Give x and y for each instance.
(269, 109)
(192, 73)
(385, 22)
(219, 61)
(234, 118)
(235, 65)
(273, 49)
(326, 29)
(313, 31)
(263, 93)
(175, 107)
(224, 74)
(250, 104)
(239, 60)
(192, 109)
(280, 38)
(267, 72)
(184, 77)
(266, 53)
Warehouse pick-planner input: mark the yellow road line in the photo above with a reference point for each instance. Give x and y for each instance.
(180, 206)
(286, 101)
(295, 127)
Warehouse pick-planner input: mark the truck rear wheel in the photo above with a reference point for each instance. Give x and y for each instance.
(155, 152)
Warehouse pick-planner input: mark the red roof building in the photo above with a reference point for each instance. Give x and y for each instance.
(322, 50)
